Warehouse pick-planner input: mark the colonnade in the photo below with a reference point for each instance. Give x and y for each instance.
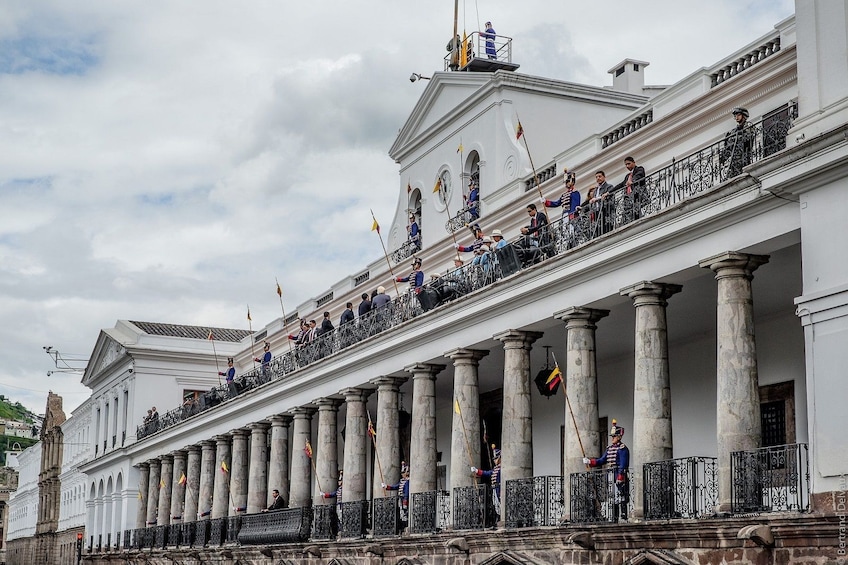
(233, 473)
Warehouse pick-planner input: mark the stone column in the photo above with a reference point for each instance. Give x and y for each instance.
(388, 435)
(517, 431)
(581, 381)
(207, 479)
(738, 394)
(165, 482)
(355, 445)
(221, 488)
(257, 482)
(278, 472)
(652, 439)
(143, 488)
(301, 468)
(327, 448)
(178, 491)
(153, 491)
(422, 449)
(466, 396)
(192, 487)
(238, 473)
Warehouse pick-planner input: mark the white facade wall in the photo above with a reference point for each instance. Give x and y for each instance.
(23, 503)
(77, 450)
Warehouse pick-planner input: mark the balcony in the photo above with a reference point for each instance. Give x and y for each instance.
(770, 479)
(478, 58)
(405, 251)
(680, 488)
(681, 180)
(463, 218)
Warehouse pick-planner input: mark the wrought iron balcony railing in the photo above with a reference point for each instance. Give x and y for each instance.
(325, 524)
(770, 479)
(354, 519)
(473, 507)
(684, 178)
(596, 496)
(680, 488)
(464, 217)
(430, 511)
(405, 251)
(534, 502)
(386, 518)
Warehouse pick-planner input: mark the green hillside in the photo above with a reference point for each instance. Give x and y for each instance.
(14, 411)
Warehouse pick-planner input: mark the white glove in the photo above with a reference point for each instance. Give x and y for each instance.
(323, 494)
(384, 485)
(587, 461)
(474, 469)
(456, 246)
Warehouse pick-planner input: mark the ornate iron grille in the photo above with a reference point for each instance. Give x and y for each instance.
(405, 251)
(354, 519)
(217, 531)
(443, 507)
(472, 507)
(233, 527)
(770, 479)
(127, 544)
(597, 497)
(680, 488)
(385, 516)
(108, 541)
(424, 518)
(201, 533)
(162, 536)
(149, 537)
(325, 524)
(684, 178)
(535, 501)
(175, 533)
(290, 525)
(463, 218)
(187, 532)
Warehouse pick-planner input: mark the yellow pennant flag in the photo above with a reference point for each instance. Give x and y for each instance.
(554, 379)
(139, 495)
(519, 131)
(375, 226)
(456, 407)
(438, 186)
(183, 479)
(249, 319)
(224, 468)
(279, 290)
(162, 483)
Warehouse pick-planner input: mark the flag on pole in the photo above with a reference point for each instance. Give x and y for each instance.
(139, 495)
(210, 337)
(554, 379)
(249, 319)
(183, 479)
(519, 131)
(456, 407)
(463, 55)
(375, 226)
(371, 431)
(408, 188)
(308, 449)
(460, 149)
(438, 186)
(224, 468)
(279, 290)
(161, 483)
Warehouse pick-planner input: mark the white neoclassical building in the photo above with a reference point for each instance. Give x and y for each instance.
(703, 307)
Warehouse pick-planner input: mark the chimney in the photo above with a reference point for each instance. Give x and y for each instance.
(629, 76)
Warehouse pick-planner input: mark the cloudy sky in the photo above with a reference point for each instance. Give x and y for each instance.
(164, 161)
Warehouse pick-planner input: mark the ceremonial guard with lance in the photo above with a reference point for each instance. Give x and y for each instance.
(495, 476)
(403, 490)
(415, 278)
(617, 461)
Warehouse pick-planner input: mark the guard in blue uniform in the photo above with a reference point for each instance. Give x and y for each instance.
(415, 278)
(617, 461)
(403, 491)
(494, 475)
(266, 363)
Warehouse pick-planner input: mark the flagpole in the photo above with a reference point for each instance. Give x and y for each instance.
(486, 441)
(523, 135)
(215, 353)
(447, 210)
(573, 419)
(464, 431)
(250, 327)
(373, 435)
(280, 294)
(308, 450)
(385, 253)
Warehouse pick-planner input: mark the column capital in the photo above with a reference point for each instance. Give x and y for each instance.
(733, 264)
(193, 448)
(222, 439)
(280, 419)
(353, 393)
(301, 412)
(239, 432)
(143, 465)
(649, 292)
(462, 356)
(178, 454)
(166, 457)
(258, 427)
(327, 403)
(580, 317)
(517, 339)
(207, 444)
(390, 383)
(431, 369)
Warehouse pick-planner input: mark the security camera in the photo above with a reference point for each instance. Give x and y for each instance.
(413, 77)
(799, 138)
(131, 371)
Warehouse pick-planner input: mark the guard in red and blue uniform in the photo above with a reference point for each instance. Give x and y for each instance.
(494, 475)
(415, 278)
(266, 363)
(617, 461)
(403, 490)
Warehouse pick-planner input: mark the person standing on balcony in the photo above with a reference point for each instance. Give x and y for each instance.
(380, 299)
(326, 325)
(403, 493)
(603, 203)
(494, 475)
(617, 461)
(570, 202)
(347, 315)
(472, 203)
(365, 305)
(489, 35)
(738, 144)
(415, 278)
(277, 503)
(266, 363)
(499, 240)
(634, 188)
(414, 232)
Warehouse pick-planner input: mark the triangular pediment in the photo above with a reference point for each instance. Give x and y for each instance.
(107, 352)
(509, 557)
(657, 557)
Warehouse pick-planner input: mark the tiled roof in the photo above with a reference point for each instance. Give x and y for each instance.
(191, 332)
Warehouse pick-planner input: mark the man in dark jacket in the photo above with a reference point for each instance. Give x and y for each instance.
(634, 189)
